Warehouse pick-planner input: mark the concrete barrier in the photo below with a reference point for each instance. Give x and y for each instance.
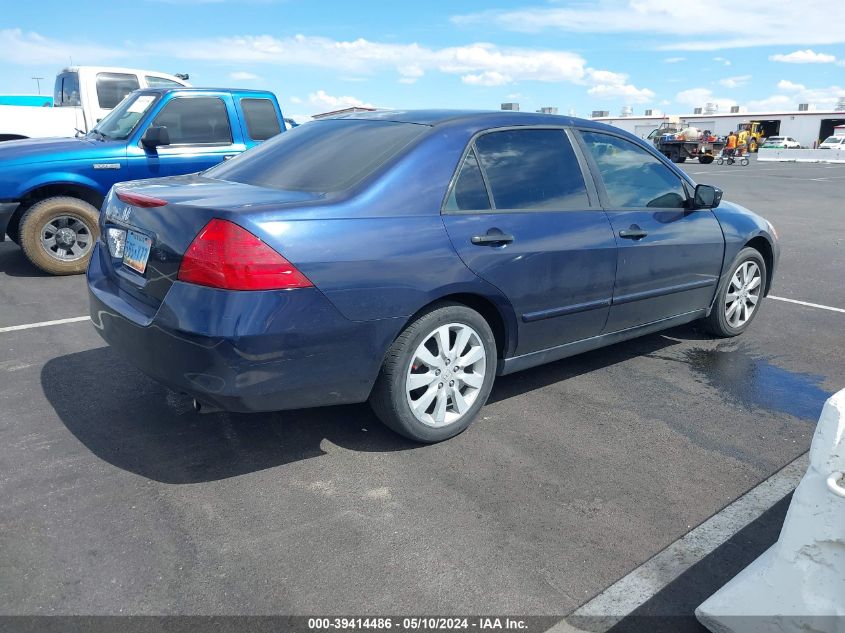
(801, 155)
(798, 584)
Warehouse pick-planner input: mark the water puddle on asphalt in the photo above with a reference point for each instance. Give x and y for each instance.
(755, 382)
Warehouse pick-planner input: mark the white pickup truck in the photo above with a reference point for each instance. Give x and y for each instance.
(83, 95)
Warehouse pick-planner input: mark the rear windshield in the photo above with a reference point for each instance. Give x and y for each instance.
(321, 156)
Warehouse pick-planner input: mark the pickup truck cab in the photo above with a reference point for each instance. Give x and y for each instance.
(83, 96)
(51, 189)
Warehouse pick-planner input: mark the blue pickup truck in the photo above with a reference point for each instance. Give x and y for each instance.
(51, 189)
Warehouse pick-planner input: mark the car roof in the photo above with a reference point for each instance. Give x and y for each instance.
(484, 118)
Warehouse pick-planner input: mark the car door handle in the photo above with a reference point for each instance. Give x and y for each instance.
(633, 232)
(492, 239)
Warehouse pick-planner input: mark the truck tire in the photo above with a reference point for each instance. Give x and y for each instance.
(57, 234)
(706, 159)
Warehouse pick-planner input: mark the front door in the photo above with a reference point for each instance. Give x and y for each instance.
(669, 257)
(200, 137)
(520, 217)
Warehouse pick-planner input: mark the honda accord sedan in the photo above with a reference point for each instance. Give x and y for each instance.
(408, 258)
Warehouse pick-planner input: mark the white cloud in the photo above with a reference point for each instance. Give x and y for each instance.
(699, 97)
(804, 57)
(735, 82)
(674, 60)
(722, 60)
(487, 78)
(32, 49)
(295, 99)
(669, 23)
(480, 64)
(788, 86)
(320, 101)
(241, 75)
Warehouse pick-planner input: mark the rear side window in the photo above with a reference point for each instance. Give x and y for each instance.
(320, 156)
(469, 192)
(634, 178)
(532, 169)
(196, 121)
(67, 90)
(262, 122)
(112, 87)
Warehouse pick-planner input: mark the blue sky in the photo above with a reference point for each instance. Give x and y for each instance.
(671, 55)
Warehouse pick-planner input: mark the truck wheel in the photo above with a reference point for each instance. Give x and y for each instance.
(57, 234)
(437, 374)
(705, 160)
(677, 158)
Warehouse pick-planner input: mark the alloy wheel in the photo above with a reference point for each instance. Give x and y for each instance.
(66, 238)
(743, 294)
(446, 374)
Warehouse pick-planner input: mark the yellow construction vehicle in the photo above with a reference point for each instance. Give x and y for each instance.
(750, 134)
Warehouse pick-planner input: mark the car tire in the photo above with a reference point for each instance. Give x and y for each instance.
(440, 378)
(58, 234)
(747, 273)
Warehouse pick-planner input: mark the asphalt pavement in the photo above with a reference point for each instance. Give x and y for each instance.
(116, 498)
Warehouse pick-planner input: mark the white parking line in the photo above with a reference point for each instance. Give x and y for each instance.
(29, 326)
(806, 303)
(642, 584)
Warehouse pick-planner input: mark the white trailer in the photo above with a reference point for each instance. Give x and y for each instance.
(83, 95)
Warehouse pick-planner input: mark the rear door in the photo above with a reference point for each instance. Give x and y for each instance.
(521, 216)
(669, 257)
(201, 136)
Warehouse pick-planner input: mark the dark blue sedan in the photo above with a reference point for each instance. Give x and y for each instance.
(407, 258)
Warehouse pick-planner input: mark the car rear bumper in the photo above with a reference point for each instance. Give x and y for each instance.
(242, 351)
(7, 210)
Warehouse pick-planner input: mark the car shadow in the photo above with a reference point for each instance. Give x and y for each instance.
(15, 264)
(135, 424)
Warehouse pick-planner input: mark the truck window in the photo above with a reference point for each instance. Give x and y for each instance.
(67, 90)
(120, 122)
(112, 87)
(262, 122)
(161, 82)
(196, 121)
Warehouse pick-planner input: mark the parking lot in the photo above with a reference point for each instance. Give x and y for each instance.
(117, 498)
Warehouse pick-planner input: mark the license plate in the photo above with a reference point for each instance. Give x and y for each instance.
(137, 251)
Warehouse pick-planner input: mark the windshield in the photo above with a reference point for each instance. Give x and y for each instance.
(832, 139)
(120, 122)
(321, 156)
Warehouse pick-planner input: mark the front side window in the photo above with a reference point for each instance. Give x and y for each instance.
(196, 121)
(120, 122)
(469, 192)
(67, 90)
(532, 169)
(262, 122)
(161, 82)
(633, 178)
(113, 87)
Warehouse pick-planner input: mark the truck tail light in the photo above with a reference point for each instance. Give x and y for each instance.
(225, 255)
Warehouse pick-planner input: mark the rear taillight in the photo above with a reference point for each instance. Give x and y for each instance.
(139, 199)
(225, 255)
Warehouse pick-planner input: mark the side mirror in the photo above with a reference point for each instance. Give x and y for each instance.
(706, 197)
(155, 136)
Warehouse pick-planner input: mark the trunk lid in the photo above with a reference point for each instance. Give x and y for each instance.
(156, 237)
